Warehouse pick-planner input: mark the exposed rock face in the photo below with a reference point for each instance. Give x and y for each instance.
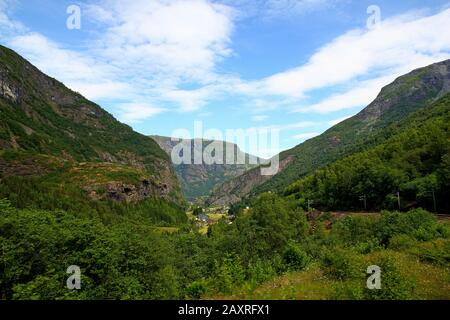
(118, 191)
(429, 83)
(7, 89)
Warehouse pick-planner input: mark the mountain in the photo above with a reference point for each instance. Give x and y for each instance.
(371, 126)
(61, 144)
(197, 180)
(410, 169)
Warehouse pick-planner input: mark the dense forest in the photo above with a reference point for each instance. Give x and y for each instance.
(413, 166)
(131, 260)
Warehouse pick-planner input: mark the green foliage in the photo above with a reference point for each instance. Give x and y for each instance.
(269, 225)
(295, 258)
(342, 264)
(401, 242)
(197, 289)
(354, 229)
(197, 211)
(128, 260)
(436, 251)
(413, 162)
(395, 285)
(119, 262)
(52, 193)
(228, 274)
(418, 224)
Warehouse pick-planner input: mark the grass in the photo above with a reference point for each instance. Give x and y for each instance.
(311, 284)
(430, 281)
(215, 217)
(203, 230)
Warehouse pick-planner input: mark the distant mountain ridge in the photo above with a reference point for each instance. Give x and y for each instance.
(395, 102)
(198, 180)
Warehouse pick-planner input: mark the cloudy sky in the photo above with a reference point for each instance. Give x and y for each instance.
(299, 66)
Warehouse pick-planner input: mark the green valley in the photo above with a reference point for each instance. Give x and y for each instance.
(79, 188)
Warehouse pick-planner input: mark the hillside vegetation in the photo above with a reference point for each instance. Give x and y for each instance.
(77, 188)
(372, 126)
(414, 162)
(60, 151)
(131, 260)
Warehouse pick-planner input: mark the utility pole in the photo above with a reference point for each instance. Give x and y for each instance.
(398, 199)
(434, 201)
(309, 204)
(364, 199)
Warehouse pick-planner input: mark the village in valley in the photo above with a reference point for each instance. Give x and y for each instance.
(205, 217)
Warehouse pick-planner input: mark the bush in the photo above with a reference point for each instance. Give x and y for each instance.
(228, 274)
(436, 252)
(196, 289)
(401, 242)
(368, 246)
(354, 229)
(394, 285)
(342, 264)
(295, 258)
(418, 223)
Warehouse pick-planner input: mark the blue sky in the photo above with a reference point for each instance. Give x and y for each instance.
(298, 66)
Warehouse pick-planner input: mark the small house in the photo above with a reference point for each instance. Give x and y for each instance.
(203, 217)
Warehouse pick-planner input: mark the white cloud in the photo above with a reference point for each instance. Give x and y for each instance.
(80, 72)
(180, 39)
(99, 14)
(291, 7)
(260, 118)
(145, 51)
(399, 44)
(153, 50)
(137, 112)
(189, 100)
(8, 26)
(337, 121)
(361, 94)
(306, 136)
(269, 10)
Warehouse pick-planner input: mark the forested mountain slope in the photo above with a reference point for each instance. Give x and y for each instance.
(370, 127)
(57, 146)
(413, 164)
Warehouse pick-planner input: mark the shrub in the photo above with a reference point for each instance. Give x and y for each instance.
(418, 223)
(228, 274)
(342, 264)
(401, 242)
(295, 258)
(367, 246)
(196, 289)
(354, 229)
(394, 285)
(437, 251)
